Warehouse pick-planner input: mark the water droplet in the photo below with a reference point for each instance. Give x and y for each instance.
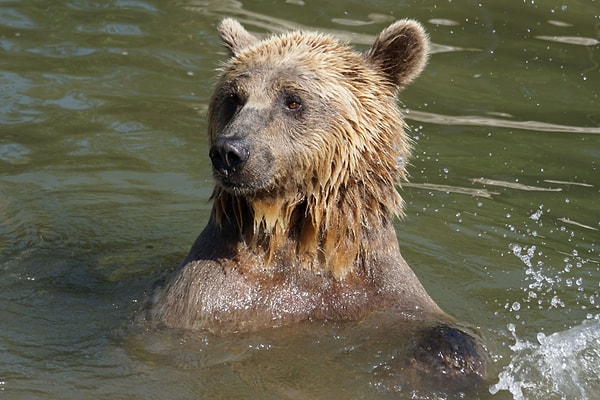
(541, 337)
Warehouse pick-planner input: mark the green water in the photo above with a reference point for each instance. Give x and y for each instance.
(104, 184)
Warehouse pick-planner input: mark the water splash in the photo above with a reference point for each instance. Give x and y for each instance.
(559, 366)
(558, 285)
(554, 278)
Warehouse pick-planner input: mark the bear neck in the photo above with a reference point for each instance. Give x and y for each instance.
(332, 239)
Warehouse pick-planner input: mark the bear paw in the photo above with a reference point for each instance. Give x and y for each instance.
(450, 353)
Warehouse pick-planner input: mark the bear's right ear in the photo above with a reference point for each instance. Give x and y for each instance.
(235, 36)
(400, 51)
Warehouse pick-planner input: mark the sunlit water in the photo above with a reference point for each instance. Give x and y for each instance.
(563, 365)
(104, 182)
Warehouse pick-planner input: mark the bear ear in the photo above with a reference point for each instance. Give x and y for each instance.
(235, 36)
(400, 51)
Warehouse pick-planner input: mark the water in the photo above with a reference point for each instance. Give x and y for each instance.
(562, 365)
(104, 182)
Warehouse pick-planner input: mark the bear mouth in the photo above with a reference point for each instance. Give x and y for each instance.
(242, 188)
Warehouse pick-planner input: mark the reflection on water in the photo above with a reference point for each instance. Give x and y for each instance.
(500, 123)
(104, 182)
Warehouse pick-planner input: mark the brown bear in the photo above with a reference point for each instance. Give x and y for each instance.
(307, 146)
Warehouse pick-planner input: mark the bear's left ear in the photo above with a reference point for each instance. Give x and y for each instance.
(235, 36)
(400, 51)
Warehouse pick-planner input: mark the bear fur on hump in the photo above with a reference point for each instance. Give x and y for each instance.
(308, 145)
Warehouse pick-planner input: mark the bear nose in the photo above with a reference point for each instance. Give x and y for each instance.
(228, 155)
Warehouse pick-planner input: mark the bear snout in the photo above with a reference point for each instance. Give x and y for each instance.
(228, 155)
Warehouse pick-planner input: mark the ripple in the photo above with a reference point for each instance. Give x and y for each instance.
(15, 107)
(62, 50)
(350, 22)
(133, 4)
(17, 221)
(476, 120)
(112, 29)
(123, 4)
(14, 153)
(581, 41)
(443, 22)
(514, 185)
(14, 19)
(561, 24)
(73, 102)
(452, 189)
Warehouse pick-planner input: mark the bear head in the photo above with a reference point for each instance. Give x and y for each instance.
(306, 139)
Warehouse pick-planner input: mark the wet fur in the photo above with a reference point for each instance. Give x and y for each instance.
(353, 173)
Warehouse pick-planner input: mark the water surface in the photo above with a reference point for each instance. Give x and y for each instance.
(104, 184)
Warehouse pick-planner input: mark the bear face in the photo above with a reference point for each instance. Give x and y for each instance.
(302, 123)
(309, 109)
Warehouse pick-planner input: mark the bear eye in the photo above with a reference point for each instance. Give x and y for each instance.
(231, 104)
(293, 103)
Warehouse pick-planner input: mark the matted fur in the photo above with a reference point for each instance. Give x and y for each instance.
(348, 183)
(303, 228)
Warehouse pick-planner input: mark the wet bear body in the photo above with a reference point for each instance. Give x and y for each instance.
(307, 145)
